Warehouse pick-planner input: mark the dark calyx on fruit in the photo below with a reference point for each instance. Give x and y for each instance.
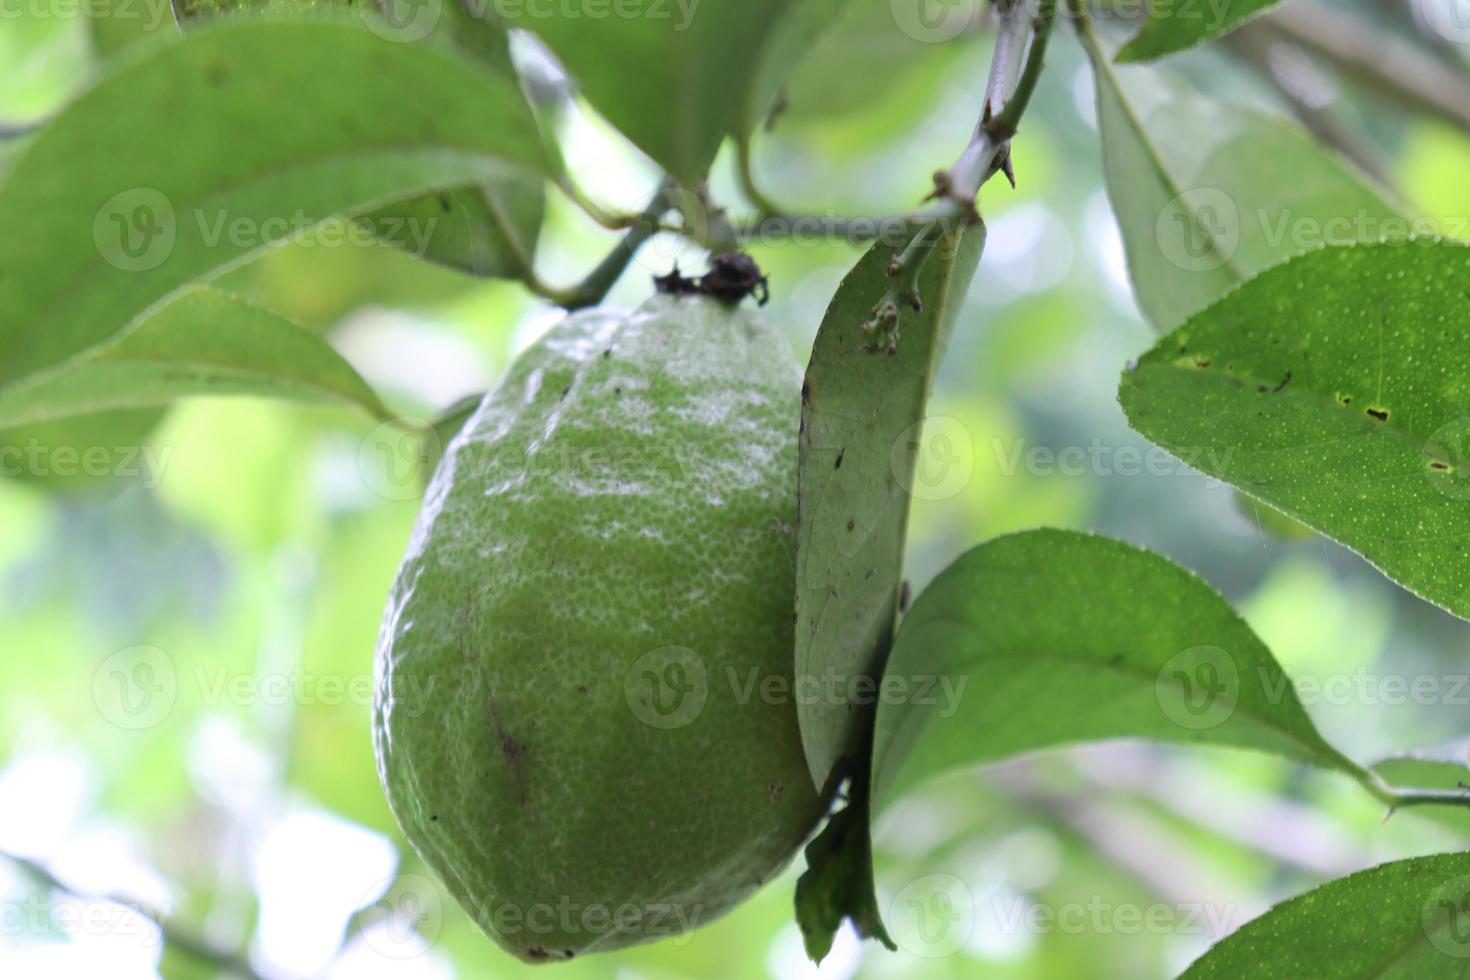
(731, 278)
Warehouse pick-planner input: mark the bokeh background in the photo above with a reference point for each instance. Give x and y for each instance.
(186, 637)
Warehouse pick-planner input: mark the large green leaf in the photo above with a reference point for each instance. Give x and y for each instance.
(204, 342)
(201, 153)
(1047, 638)
(1208, 194)
(1174, 25)
(861, 417)
(1336, 388)
(1409, 920)
(488, 229)
(861, 420)
(670, 74)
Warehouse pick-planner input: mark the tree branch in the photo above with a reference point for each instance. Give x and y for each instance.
(1387, 63)
(1254, 44)
(184, 941)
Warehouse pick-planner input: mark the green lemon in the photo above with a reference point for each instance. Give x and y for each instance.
(585, 721)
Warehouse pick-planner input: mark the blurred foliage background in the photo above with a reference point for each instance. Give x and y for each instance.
(232, 558)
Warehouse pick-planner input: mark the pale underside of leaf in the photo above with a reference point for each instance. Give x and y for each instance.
(861, 416)
(1196, 189)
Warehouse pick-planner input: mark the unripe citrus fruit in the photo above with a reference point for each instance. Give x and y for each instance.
(576, 723)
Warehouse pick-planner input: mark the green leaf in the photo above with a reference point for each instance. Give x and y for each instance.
(1175, 25)
(488, 231)
(1334, 388)
(1409, 920)
(201, 153)
(1048, 638)
(838, 884)
(861, 417)
(1201, 196)
(670, 74)
(1448, 770)
(205, 342)
(797, 29)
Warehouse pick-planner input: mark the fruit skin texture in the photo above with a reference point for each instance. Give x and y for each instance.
(613, 526)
